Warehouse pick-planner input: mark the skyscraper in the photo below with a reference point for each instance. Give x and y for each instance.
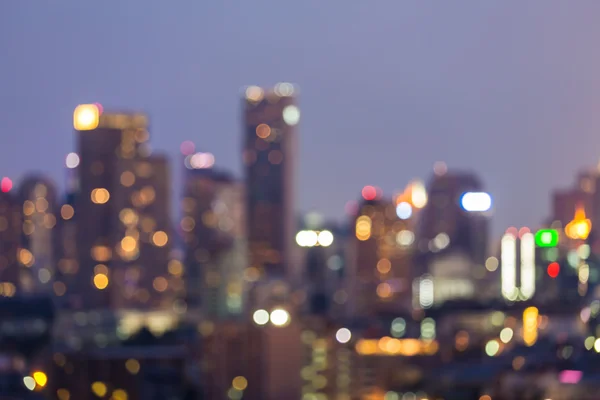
(122, 205)
(10, 230)
(270, 119)
(213, 228)
(39, 239)
(452, 241)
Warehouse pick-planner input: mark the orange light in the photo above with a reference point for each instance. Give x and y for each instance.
(580, 227)
(86, 117)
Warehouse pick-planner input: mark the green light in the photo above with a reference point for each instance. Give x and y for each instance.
(546, 238)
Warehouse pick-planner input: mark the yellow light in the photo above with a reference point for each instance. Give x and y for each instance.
(160, 238)
(101, 281)
(119, 394)
(100, 196)
(86, 117)
(384, 290)
(387, 346)
(26, 258)
(239, 383)
(418, 194)
(28, 207)
(63, 394)
(133, 366)
(128, 243)
(530, 325)
(99, 389)
(363, 228)
(67, 211)
(175, 267)
(580, 227)
(40, 378)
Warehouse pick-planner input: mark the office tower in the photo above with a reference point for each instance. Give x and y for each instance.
(122, 207)
(39, 238)
(10, 233)
(213, 226)
(380, 273)
(270, 119)
(452, 238)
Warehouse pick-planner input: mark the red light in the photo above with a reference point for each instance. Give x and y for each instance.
(5, 185)
(523, 231)
(553, 269)
(369, 193)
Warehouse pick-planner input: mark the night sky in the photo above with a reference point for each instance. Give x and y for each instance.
(510, 89)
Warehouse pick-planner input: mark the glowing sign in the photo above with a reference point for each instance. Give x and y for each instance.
(86, 117)
(546, 238)
(569, 376)
(476, 201)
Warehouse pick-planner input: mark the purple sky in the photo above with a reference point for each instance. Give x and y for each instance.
(510, 89)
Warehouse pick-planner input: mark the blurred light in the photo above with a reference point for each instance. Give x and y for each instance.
(202, 160)
(440, 168)
(485, 397)
(418, 194)
(428, 329)
(527, 265)
(6, 185)
(86, 117)
(263, 131)
(492, 348)
(260, 317)
(291, 115)
(63, 394)
(597, 345)
(369, 193)
(491, 264)
(530, 325)
(100, 196)
(508, 255)
(384, 290)
(239, 383)
(343, 335)
(553, 269)
(589, 342)
(384, 266)
(72, 160)
(254, 94)
(187, 148)
(404, 210)
(441, 241)
(363, 227)
(119, 394)
(280, 317)
(101, 281)
(546, 238)
(476, 201)
(67, 211)
(398, 328)
(160, 238)
(405, 238)
(99, 389)
(325, 238)
(584, 251)
(284, 89)
(506, 335)
(426, 293)
(133, 366)
(307, 238)
(580, 226)
(584, 273)
(40, 378)
(29, 382)
(569, 376)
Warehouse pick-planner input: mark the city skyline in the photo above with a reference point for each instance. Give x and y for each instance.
(424, 93)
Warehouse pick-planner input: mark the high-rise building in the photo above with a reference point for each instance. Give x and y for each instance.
(452, 238)
(122, 206)
(213, 226)
(270, 119)
(10, 232)
(380, 273)
(39, 238)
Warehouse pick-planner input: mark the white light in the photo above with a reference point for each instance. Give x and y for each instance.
(506, 335)
(418, 195)
(597, 345)
(307, 238)
(291, 115)
(260, 317)
(527, 265)
(254, 93)
(325, 238)
(426, 293)
(508, 267)
(29, 382)
(404, 210)
(202, 160)
(280, 317)
(72, 160)
(405, 238)
(284, 89)
(476, 201)
(343, 335)
(441, 241)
